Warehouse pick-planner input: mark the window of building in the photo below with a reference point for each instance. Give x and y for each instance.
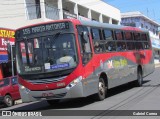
(33, 9)
(142, 25)
(154, 31)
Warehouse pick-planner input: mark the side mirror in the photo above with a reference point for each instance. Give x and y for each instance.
(85, 36)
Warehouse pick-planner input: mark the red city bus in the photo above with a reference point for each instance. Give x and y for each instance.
(71, 59)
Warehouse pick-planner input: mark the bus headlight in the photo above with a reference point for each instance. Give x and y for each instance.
(22, 87)
(74, 82)
(25, 89)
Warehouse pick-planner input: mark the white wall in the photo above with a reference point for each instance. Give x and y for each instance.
(101, 7)
(13, 12)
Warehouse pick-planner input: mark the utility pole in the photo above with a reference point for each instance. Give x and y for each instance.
(12, 60)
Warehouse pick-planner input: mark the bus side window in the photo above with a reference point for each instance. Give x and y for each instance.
(110, 46)
(143, 37)
(96, 34)
(119, 35)
(131, 45)
(139, 45)
(97, 38)
(108, 34)
(137, 36)
(128, 35)
(121, 46)
(146, 45)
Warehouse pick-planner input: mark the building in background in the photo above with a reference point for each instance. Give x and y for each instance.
(6, 38)
(137, 19)
(18, 13)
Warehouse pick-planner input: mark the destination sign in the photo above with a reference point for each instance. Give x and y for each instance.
(45, 28)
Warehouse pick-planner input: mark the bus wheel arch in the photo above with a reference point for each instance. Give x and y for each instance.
(104, 77)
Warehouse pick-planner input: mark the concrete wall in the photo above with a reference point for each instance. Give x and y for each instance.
(14, 13)
(101, 7)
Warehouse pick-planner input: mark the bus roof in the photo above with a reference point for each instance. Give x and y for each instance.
(41, 23)
(112, 26)
(90, 23)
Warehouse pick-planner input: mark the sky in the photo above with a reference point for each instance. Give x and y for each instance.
(150, 8)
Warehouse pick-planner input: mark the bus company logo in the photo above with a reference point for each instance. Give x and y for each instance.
(101, 64)
(110, 64)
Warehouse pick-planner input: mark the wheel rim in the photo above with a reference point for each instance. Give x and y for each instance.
(101, 88)
(8, 101)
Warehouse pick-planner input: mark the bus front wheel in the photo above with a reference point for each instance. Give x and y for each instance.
(101, 90)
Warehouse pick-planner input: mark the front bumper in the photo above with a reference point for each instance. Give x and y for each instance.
(63, 93)
(76, 89)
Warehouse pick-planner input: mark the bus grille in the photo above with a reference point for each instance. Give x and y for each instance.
(44, 81)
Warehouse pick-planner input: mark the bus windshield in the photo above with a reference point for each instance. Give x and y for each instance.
(47, 54)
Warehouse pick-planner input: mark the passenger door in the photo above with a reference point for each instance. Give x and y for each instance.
(87, 62)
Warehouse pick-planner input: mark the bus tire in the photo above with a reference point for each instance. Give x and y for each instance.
(101, 90)
(53, 102)
(8, 101)
(139, 81)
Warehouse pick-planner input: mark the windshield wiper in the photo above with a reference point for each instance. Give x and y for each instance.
(56, 36)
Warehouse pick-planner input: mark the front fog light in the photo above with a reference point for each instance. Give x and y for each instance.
(74, 82)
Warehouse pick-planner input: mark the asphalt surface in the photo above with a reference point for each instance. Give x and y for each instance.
(128, 98)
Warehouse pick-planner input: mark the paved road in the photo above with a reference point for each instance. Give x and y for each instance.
(126, 97)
